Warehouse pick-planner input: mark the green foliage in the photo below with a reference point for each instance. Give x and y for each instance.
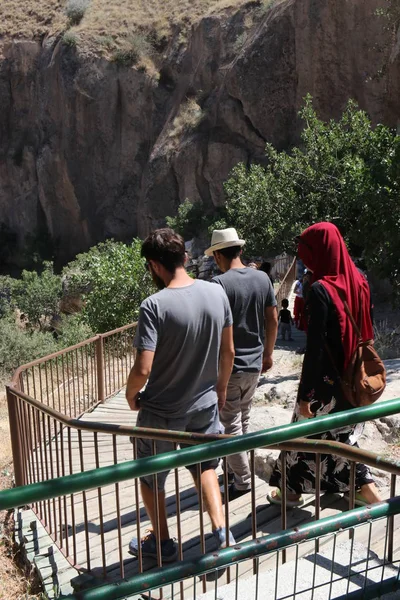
(114, 282)
(18, 346)
(37, 295)
(70, 39)
(75, 10)
(134, 47)
(192, 220)
(73, 330)
(345, 172)
(7, 287)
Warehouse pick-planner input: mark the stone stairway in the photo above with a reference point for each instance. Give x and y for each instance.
(322, 576)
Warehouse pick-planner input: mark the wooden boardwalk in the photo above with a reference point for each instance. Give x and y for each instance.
(99, 509)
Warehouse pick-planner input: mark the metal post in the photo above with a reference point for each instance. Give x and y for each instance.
(100, 368)
(15, 438)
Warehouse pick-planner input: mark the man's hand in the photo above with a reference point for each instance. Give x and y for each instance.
(304, 409)
(134, 402)
(267, 363)
(221, 399)
(138, 376)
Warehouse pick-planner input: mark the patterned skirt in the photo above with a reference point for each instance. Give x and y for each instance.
(335, 471)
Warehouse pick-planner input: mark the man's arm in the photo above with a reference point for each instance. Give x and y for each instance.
(226, 357)
(138, 376)
(271, 331)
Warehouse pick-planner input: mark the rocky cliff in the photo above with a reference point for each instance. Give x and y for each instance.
(91, 149)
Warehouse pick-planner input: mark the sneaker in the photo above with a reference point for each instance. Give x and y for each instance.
(169, 548)
(234, 493)
(220, 536)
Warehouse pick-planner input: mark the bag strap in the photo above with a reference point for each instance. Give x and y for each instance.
(357, 328)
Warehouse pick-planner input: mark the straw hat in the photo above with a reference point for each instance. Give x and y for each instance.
(223, 238)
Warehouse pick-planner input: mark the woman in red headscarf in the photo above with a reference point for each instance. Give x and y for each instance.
(335, 278)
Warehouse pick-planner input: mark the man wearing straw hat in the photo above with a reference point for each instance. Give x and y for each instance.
(255, 326)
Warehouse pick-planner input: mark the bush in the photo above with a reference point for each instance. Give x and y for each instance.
(114, 281)
(75, 10)
(70, 39)
(193, 220)
(7, 287)
(37, 295)
(18, 346)
(134, 47)
(73, 330)
(189, 116)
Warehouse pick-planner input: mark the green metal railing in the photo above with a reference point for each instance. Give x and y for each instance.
(70, 484)
(286, 436)
(255, 548)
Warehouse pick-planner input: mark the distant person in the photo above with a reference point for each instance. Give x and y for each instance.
(307, 281)
(266, 267)
(331, 344)
(285, 321)
(298, 303)
(185, 354)
(252, 300)
(252, 265)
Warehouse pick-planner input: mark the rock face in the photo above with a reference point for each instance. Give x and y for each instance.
(90, 149)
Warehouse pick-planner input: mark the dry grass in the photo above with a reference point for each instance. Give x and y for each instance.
(189, 116)
(114, 19)
(31, 19)
(16, 581)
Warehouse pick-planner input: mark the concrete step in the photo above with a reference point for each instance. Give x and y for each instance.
(322, 576)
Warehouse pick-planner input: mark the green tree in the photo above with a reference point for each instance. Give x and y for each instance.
(113, 280)
(193, 220)
(37, 295)
(345, 171)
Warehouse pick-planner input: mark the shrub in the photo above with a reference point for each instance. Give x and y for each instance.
(7, 287)
(114, 281)
(387, 340)
(73, 330)
(70, 39)
(189, 116)
(37, 295)
(193, 220)
(134, 47)
(18, 346)
(75, 10)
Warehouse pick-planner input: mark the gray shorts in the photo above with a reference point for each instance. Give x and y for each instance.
(202, 421)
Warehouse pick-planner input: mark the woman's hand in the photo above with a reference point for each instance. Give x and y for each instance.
(304, 409)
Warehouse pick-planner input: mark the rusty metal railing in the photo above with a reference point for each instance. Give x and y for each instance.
(286, 284)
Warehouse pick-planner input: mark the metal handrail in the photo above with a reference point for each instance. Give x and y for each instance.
(162, 576)
(39, 361)
(96, 478)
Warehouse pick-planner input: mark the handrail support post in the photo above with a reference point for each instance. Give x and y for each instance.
(100, 368)
(15, 437)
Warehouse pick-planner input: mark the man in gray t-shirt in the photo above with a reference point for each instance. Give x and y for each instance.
(185, 354)
(252, 300)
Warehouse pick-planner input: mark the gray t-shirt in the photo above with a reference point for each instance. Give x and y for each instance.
(183, 326)
(249, 292)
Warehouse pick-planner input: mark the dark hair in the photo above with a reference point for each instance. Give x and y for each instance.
(166, 247)
(266, 267)
(231, 252)
(285, 303)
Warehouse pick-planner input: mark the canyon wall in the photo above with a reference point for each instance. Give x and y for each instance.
(90, 149)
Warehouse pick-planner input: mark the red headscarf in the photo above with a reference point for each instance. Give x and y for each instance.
(323, 251)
